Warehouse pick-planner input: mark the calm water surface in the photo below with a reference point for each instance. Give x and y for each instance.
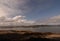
(36, 29)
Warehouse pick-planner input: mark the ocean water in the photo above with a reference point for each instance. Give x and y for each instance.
(36, 29)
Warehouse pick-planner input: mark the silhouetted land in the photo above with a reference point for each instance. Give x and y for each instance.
(33, 26)
(12, 35)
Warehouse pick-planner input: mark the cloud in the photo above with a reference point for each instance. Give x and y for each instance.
(13, 7)
(55, 20)
(15, 21)
(20, 7)
(2, 12)
(11, 12)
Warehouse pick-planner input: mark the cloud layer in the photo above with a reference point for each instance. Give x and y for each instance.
(15, 21)
(11, 12)
(13, 7)
(20, 7)
(55, 20)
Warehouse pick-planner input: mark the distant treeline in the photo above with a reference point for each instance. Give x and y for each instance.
(32, 26)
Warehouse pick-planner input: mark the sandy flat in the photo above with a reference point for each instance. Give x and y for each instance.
(53, 36)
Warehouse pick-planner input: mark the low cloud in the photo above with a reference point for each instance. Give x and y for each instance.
(15, 21)
(9, 11)
(20, 20)
(55, 20)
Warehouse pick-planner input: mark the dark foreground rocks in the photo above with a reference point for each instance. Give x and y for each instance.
(25, 36)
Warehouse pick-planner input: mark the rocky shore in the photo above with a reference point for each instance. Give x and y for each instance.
(12, 35)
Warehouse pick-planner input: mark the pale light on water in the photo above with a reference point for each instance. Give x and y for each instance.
(36, 29)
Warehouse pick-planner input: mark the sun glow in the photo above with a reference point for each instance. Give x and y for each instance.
(2, 12)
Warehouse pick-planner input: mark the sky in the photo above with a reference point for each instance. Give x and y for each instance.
(28, 12)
